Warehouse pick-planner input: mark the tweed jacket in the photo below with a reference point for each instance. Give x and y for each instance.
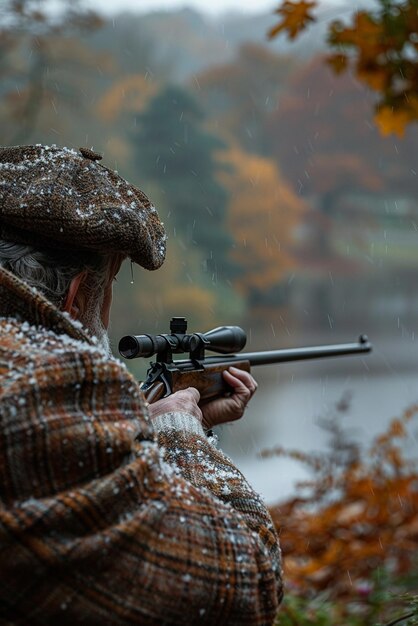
(103, 518)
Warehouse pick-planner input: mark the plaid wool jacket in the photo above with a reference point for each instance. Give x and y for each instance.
(105, 518)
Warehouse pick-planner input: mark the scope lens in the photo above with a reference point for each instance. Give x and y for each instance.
(128, 347)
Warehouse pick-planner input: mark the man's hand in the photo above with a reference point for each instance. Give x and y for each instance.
(184, 401)
(219, 411)
(230, 408)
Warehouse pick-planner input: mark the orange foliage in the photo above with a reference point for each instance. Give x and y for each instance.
(361, 513)
(130, 94)
(366, 34)
(295, 17)
(263, 213)
(380, 46)
(390, 120)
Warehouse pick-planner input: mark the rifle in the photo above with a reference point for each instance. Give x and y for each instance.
(167, 376)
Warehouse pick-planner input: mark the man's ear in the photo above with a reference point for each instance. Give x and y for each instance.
(75, 298)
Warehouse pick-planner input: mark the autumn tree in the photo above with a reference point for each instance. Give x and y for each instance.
(117, 107)
(239, 94)
(173, 150)
(41, 63)
(263, 214)
(326, 144)
(323, 137)
(130, 39)
(126, 96)
(380, 46)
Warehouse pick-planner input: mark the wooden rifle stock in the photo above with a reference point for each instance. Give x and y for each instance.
(206, 378)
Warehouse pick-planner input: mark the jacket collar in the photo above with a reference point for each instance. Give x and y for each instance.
(19, 300)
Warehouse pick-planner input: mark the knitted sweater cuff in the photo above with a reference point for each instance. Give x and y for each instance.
(175, 420)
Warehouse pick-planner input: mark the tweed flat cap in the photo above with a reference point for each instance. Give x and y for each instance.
(64, 199)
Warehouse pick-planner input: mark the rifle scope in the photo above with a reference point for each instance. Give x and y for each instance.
(224, 340)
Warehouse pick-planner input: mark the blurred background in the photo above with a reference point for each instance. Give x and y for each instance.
(287, 212)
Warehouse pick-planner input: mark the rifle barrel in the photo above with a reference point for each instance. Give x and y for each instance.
(295, 354)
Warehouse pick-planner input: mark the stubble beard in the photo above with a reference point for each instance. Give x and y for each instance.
(93, 322)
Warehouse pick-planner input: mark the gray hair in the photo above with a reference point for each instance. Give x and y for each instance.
(51, 271)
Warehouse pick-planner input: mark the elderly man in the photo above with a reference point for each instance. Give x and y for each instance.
(110, 511)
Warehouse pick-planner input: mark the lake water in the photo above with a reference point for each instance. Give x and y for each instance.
(292, 397)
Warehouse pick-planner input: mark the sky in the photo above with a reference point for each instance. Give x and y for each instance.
(214, 7)
(209, 6)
